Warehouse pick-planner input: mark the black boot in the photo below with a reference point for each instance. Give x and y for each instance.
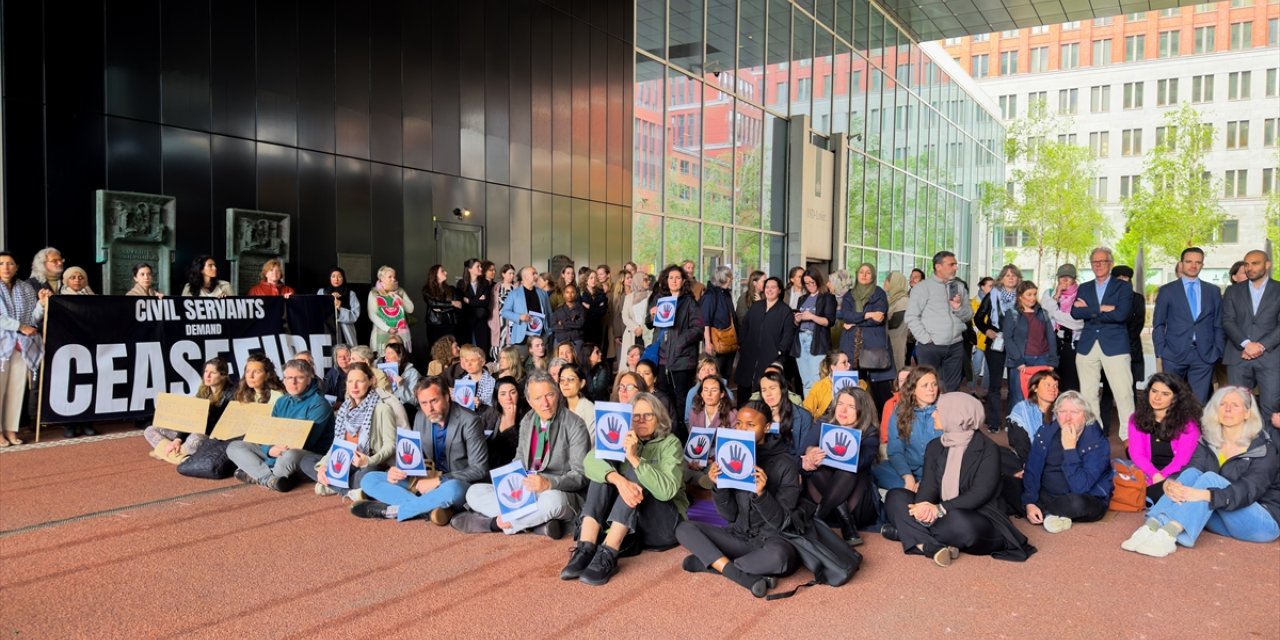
(847, 529)
(757, 585)
(578, 561)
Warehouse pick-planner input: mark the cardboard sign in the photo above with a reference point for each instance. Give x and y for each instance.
(272, 431)
(613, 423)
(666, 314)
(237, 417)
(464, 393)
(338, 471)
(842, 379)
(698, 449)
(514, 500)
(841, 444)
(392, 369)
(409, 452)
(536, 322)
(181, 413)
(736, 456)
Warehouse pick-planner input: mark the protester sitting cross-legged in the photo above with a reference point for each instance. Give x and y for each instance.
(457, 454)
(502, 421)
(1231, 486)
(847, 495)
(1068, 477)
(572, 383)
(215, 386)
(911, 428)
(818, 398)
(364, 420)
(643, 495)
(752, 549)
(273, 465)
(957, 506)
(552, 444)
(1163, 430)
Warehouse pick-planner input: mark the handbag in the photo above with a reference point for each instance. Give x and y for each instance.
(1130, 493)
(868, 358)
(724, 341)
(210, 461)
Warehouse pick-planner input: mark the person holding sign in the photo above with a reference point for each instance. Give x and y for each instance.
(502, 421)
(365, 421)
(453, 447)
(795, 424)
(516, 310)
(678, 350)
(847, 494)
(21, 345)
(957, 506)
(215, 386)
(863, 310)
(572, 382)
(389, 307)
(911, 428)
(553, 442)
(818, 399)
(751, 550)
(404, 377)
(273, 466)
(643, 494)
(472, 359)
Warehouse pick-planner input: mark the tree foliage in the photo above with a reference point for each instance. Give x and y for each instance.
(1273, 221)
(1176, 203)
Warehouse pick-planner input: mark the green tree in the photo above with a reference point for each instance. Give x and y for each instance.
(1176, 205)
(1273, 220)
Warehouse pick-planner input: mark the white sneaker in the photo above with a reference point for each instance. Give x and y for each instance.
(1157, 545)
(1137, 538)
(1056, 524)
(322, 490)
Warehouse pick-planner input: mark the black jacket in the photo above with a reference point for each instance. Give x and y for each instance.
(825, 307)
(566, 323)
(440, 311)
(762, 337)
(770, 514)
(502, 444)
(680, 342)
(473, 308)
(979, 490)
(1137, 318)
(1254, 474)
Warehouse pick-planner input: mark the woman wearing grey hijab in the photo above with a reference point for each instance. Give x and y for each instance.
(957, 507)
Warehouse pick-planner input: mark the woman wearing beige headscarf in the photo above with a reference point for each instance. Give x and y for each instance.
(896, 287)
(958, 506)
(75, 282)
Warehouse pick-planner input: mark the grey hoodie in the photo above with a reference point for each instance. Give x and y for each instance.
(930, 316)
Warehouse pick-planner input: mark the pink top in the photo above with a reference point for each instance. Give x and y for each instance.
(1183, 446)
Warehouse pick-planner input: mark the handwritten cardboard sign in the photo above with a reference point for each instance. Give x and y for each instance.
(181, 413)
(237, 417)
(271, 431)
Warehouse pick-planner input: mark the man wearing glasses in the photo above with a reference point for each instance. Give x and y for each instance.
(273, 466)
(937, 314)
(1104, 305)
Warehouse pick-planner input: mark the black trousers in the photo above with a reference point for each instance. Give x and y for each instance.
(881, 390)
(724, 365)
(829, 488)
(761, 556)
(947, 359)
(968, 530)
(653, 520)
(1077, 506)
(995, 373)
(676, 384)
(1070, 380)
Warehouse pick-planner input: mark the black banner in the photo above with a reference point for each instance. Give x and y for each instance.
(106, 357)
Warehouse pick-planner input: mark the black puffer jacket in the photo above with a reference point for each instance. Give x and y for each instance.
(1254, 474)
(680, 342)
(770, 514)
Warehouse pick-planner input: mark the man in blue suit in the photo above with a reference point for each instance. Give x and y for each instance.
(1251, 322)
(1103, 305)
(1187, 325)
(520, 303)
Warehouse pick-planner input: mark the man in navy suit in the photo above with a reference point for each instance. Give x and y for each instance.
(1104, 306)
(1251, 322)
(1187, 325)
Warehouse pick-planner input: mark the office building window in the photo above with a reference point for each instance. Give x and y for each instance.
(1069, 101)
(1238, 85)
(1228, 233)
(1241, 4)
(1134, 17)
(1241, 35)
(1270, 181)
(1074, 25)
(1166, 92)
(1040, 30)
(1009, 106)
(1100, 99)
(1238, 134)
(1273, 79)
(982, 37)
(1129, 185)
(951, 42)
(1269, 127)
(1202, 88)
(1205, 39)
(981, 66)
(1235, 183)
(1168, 44)
(1069, 56)
(1099, 189)
(1036, 96)
(1100, 143)
(1166, 136)
(1133, 95)
(1039, 59)
(1208, 7)
(1011, 33)
(1102, 22)
(1273, 32)
(803, 88)
(1131, 142)
(1008, 62)
(1068, 138)
(1101, 53)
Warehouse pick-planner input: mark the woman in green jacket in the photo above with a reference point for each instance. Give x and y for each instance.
(644, 494)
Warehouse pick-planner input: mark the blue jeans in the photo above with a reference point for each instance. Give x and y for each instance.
(887, 478)
(1252, 523)
(806, 363)
(1015, 377)
(450, 494)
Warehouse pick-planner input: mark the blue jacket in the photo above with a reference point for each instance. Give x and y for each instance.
(312, 406)
(804, 433)
(515, 306)
(875, 335)
(1016, 333)
(1087, 467)
(1172, 325)
(1110, 329)
(908, 457)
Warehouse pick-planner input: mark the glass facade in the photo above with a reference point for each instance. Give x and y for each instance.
(711, 134)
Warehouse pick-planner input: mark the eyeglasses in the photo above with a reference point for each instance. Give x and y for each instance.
(1099, 262)
(627, 387)
(641, 418)
(295, 378)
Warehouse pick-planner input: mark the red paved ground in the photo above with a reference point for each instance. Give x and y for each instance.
(215, 559)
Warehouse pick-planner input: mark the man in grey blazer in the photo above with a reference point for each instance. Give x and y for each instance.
(1251, 322)
(453, 444)
(552, 444)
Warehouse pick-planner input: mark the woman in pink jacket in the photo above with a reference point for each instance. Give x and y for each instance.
(1164, 430)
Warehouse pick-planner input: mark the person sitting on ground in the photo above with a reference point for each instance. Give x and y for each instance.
(273, 465)
(259, 382)
(643, 496)
(405, 380)
(510, 365)
(538, 358)
(628, 385)
(849, 496)
(445, 359)
(365, 421)
(552, 444)
(502, 421)
(1164, 430)
(215, 386)
(957, 506)
(818, 400)
(567, 351)
(795, 424)
(1231, 486)
(752, 550)
(776, 367)
(1068, 474)
(707, 367)
(472, 361)
(1024, 421)
(598, 378)
(648, 370)
(572, 383)
(891, 407)
(361, 353)
(457, 455)
(335, 379)
(710, 409)
(911, 428)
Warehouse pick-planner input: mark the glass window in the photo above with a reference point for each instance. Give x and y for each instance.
(646, 242)
(980, 66)
(1202, 88)
(1100, 143)
(685, 42)
(722, 29)
(1228, 233)
(1168, 44)
(778, 54)
(1069, 56)
(1238, 134)
(1102, 22)
(1009, 106)
(1270, 181)
(1241, 35)
(774, 170)
(1010, 33)
(1273, 32)
(1069, 101)
(1039, 59)
(1238, 85)
(1129, 185)
(1166, 92)
(1101, 52)
(1133, 95)
(1208, 7)
(651, 26)
(1135, 47)
(1241, 4)
(1008, 62)
(1204, 37)
(684, 127)
(1071, 26)
(748, 129)
(681, 241)
(1171, 12)
(1235, 183)
(1273, 79)
(649, 135)
(1131, 142)
(1040, 29)
(1269, 127)
(1167, 136)
(802, 60)
(1100, 99)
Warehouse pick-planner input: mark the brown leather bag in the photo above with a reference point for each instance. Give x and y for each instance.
(725, 341)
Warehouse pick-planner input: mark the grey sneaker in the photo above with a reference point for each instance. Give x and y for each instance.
(471, 522)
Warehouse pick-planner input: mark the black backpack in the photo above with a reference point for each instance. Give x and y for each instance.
(210, 461)
(831, 559)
